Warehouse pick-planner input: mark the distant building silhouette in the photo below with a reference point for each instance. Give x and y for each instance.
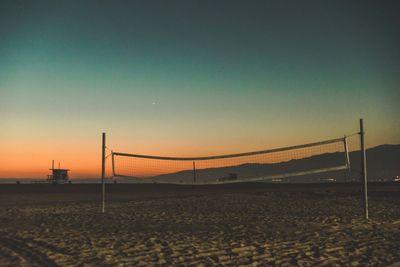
(58, 176)
(229, 177)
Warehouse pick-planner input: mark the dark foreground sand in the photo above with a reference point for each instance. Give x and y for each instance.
(249, 225)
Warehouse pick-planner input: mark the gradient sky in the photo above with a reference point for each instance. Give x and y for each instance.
(191, 77)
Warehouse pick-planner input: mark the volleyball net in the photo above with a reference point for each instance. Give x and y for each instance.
(274, 165)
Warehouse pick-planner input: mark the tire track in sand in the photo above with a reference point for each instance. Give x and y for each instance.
(32, 253)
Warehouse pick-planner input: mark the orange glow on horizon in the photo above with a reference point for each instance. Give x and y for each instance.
(31, 159)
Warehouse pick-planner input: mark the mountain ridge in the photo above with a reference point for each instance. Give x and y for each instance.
(383, 164)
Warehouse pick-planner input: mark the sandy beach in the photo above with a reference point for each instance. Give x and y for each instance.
(236, 225)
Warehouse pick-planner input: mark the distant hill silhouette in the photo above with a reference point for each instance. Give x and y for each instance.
(383, 163)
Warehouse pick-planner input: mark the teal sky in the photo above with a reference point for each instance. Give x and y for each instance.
(193, 77)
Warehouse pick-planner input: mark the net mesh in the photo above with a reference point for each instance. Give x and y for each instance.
(269, 165)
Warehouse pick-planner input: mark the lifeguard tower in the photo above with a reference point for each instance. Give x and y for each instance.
(58, 176)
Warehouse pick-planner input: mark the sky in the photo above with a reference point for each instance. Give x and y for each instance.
(191, 78)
